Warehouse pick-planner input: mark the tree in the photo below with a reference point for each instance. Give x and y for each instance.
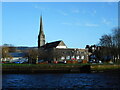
(0, 52)
(32, 55)
(116, 44)
(106, 40)
(12, 49)
(5, 52)
(50, 54)
(111, 45)
(43, 54)
(116, 37)
(57, 54)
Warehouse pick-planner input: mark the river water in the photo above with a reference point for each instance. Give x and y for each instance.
(61, 81)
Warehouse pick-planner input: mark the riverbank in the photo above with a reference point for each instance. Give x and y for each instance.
(105, 68)
(45, 68)
(57, 68)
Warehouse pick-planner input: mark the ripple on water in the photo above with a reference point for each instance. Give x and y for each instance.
(60, 81)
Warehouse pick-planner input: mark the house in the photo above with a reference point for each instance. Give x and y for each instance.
(18, 56)
(58, 51)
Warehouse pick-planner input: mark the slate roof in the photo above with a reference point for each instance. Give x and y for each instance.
(51, 45)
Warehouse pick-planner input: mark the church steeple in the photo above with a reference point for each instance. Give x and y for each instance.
(41, 36)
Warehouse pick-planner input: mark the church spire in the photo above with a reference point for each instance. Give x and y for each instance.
(41, 36)
(41, 26)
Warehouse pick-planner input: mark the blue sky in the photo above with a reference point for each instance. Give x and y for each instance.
(76, 23)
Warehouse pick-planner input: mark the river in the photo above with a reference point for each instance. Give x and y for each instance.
(61, 81)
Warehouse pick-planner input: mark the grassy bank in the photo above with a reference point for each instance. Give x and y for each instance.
(105, 67)
(65, 68)
(45, 68)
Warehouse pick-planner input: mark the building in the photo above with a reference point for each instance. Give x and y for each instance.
(99, 54)
(58, 51)
(18, 56)
(41, 36)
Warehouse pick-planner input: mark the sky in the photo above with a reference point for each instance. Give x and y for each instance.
(76, 23)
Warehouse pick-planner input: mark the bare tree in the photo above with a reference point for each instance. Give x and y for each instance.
(57, 54)
(5, 52)
(111, 44)
(12, 49)
(106, 40)
(116, 37)
(116, 44)
(51, 54)
(32, 55)
(42, 54)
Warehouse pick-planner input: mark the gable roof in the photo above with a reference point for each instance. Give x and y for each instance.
(53, 44)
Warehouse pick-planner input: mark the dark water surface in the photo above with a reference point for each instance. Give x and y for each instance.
(81, 80)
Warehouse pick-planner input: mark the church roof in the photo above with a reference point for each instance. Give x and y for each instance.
(53, 44)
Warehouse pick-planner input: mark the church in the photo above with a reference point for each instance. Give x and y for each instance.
(58, 51)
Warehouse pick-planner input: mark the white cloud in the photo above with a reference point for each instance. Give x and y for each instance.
(70, 23)
(67, 23)
(92, 13)
(63, 13)
(105, 21)
(40, 8)
(91, 25)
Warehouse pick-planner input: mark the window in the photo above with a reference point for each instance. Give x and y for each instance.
(78, 52)
(82, 57)
(62, 58)
(68, 57)
(82, 52)
(73, 57)
(77, 57)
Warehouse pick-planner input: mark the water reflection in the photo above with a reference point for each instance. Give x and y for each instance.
(91, 80)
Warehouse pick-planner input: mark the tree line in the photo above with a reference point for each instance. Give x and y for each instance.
(110, 46)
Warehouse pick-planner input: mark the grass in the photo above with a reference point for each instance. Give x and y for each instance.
(43, 64)
(60, 64)
(105, 67)
(96, 67)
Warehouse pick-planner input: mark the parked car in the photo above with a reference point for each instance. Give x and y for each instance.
(40, 61)
(55, 62)
(3, 62)
(100, 62)
(19, 62)
(93, 61)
